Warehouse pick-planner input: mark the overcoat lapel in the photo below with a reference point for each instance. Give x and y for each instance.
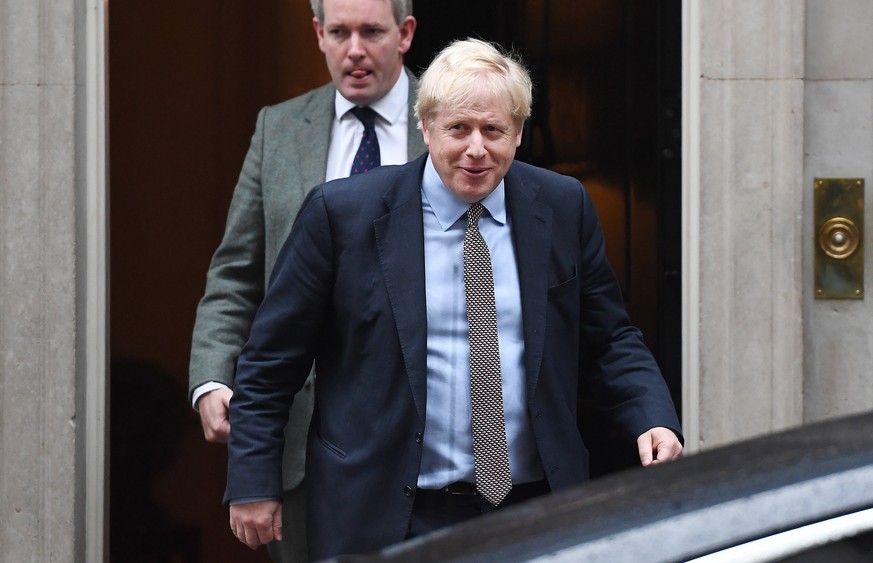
(532, 237)
(311, 140)
(400, 244)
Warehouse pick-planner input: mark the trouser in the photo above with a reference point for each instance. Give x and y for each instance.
(292, 548)
(433, 510)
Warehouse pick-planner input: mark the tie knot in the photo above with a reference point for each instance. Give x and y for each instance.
(473, 214)
(366, 115)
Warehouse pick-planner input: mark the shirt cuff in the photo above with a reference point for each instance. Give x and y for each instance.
(204, 389)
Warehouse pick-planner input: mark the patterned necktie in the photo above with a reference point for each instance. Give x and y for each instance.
(490, 454)
(367, 156)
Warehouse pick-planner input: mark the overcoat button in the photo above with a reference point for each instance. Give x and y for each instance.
(407, 490)
(418, 437)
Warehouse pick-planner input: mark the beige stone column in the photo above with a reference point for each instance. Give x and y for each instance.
(743, 218)
(49, 286)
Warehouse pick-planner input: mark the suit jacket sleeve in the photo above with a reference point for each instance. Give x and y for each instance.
(616, 364)
(235, 281)
(276, 360)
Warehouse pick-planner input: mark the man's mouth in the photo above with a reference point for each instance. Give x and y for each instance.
(475, 171)
(359, 73)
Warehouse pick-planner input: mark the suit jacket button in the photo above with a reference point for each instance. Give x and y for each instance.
(407, 490)
(418, 437)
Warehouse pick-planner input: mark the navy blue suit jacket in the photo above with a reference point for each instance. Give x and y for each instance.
(348, 292)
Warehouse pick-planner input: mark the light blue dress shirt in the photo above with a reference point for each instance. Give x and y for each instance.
(448, 438)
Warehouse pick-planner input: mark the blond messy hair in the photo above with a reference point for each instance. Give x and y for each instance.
(468, 68)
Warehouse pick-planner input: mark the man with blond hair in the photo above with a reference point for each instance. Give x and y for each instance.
(452, 306)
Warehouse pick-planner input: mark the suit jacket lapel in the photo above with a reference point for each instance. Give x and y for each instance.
(532, 237)
(298, 146)
(313, 137)
(294, 159)
(400, 245)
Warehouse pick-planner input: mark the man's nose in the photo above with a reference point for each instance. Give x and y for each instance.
(476, 145)
(356, 46)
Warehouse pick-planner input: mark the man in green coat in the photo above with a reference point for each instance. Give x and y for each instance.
(298, 144)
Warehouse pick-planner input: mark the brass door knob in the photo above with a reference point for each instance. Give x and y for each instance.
(839, 238)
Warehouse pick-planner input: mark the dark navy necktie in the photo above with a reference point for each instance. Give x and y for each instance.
(368, 155)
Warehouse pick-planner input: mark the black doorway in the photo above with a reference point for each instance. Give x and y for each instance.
(608, 111)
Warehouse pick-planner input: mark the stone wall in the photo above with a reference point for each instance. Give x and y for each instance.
(838, 142)
(37, 281)
(744, 168)
(45, 264)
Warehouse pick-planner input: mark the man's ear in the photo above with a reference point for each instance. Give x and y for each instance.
(424, 132)
(319, 32)
(407, 31)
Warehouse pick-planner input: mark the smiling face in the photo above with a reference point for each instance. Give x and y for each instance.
(363, 46)
(472, 147)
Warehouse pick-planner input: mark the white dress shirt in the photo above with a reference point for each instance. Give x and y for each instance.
(392, 120)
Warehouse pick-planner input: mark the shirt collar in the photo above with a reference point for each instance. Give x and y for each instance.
(390, 107)
(448, 209)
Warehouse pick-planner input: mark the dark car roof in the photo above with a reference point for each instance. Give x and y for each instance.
(671, 512)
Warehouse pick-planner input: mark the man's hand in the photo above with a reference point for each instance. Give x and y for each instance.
(213, 407)
(658, 445)
(256, 523)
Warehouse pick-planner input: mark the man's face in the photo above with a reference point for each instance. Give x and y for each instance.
(472, 147)
(364, 47)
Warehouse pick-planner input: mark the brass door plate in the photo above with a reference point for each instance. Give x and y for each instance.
(839, 238)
